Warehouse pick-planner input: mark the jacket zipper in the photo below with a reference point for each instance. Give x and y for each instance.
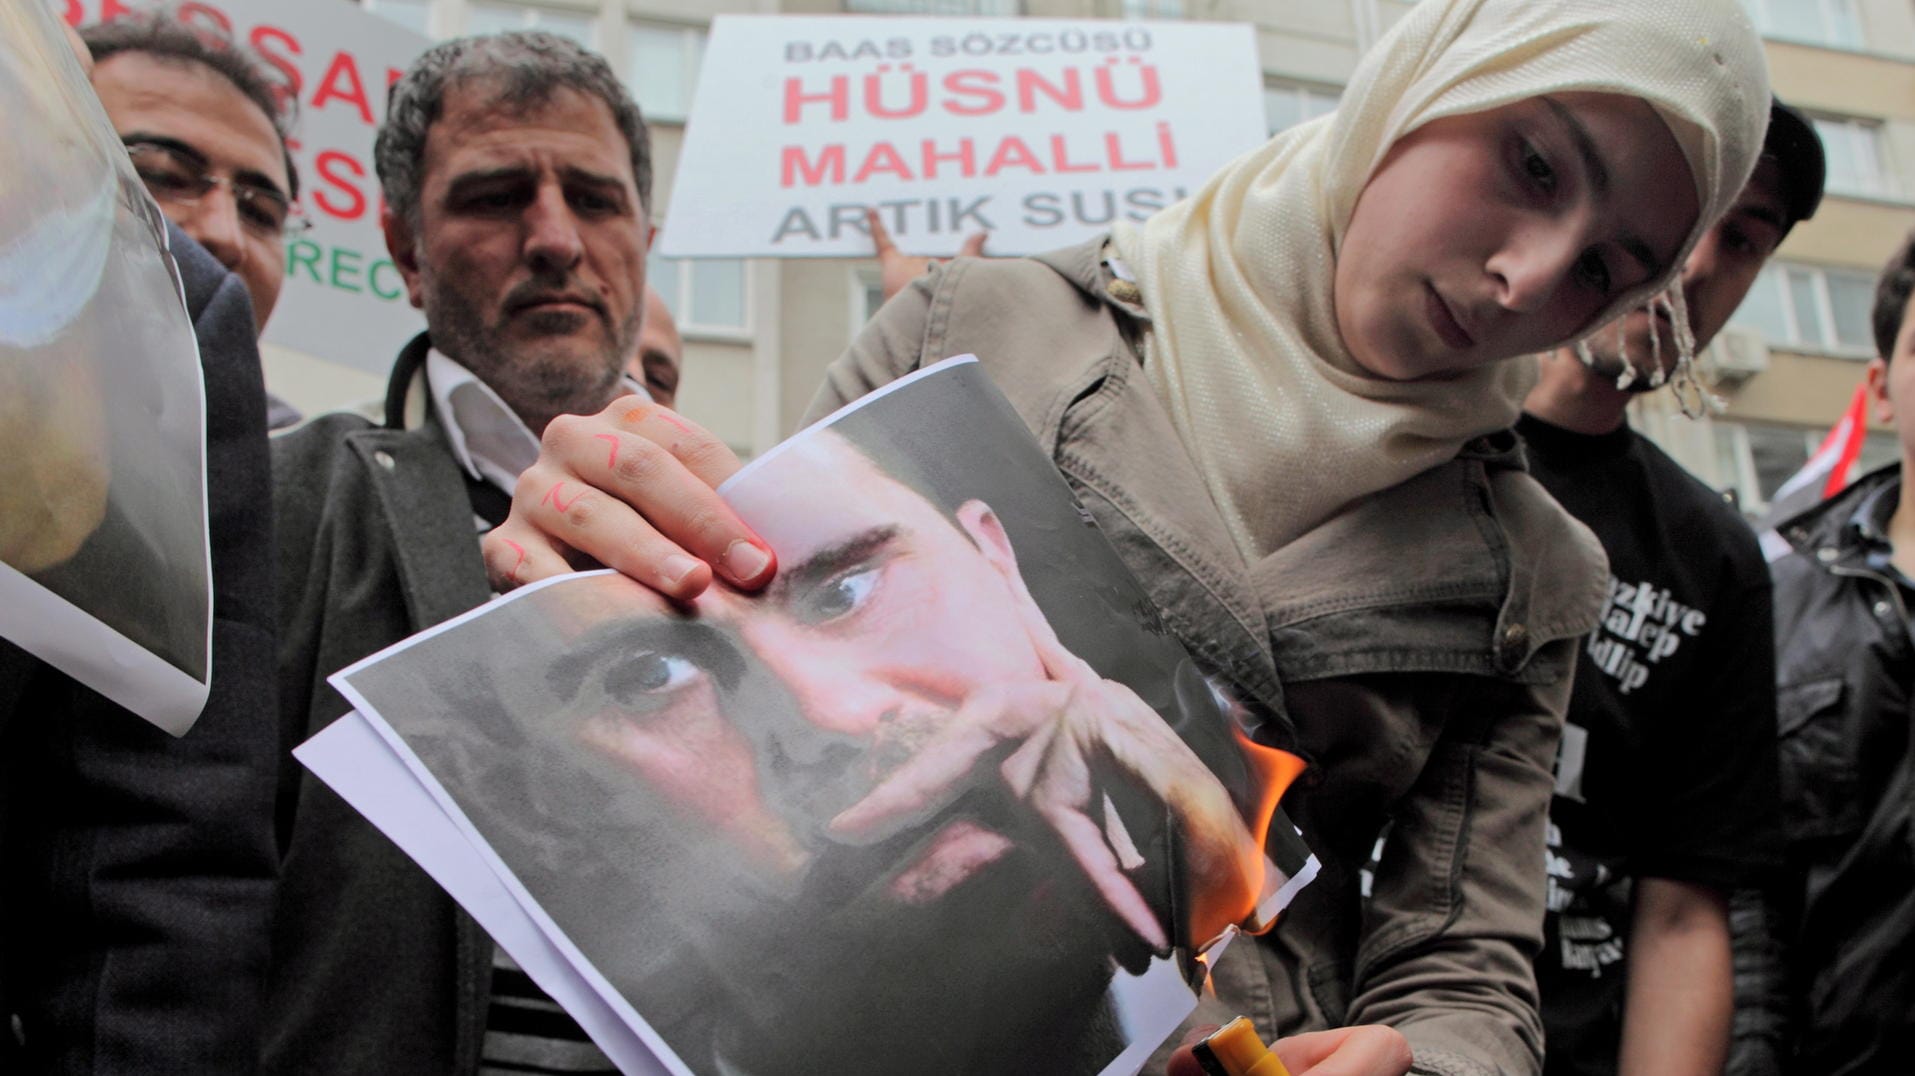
(1894, 592)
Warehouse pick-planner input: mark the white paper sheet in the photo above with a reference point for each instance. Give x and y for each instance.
(355, 762)
(429, 696)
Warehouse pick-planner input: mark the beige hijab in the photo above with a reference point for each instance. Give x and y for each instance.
(1244, 347)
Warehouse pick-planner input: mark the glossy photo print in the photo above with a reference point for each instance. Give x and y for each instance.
(104, 568)
(945, 798)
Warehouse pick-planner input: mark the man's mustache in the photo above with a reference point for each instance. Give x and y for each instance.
(534, 292)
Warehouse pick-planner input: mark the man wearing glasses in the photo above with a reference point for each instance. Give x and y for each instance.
(203, 123)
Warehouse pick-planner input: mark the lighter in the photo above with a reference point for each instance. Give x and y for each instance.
(1235, 1050)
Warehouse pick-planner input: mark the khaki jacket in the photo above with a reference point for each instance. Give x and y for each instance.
(1418, 646)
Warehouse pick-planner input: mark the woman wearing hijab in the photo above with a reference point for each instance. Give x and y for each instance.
(1285, 401)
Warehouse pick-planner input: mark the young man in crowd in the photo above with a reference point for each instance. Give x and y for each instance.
(1842, 920)
(136, 869)
(1665, 783)
(517, 177)
(206, 129)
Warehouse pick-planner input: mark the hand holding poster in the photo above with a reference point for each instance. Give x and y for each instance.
(947, 797)
(104, 563)
(1042, 132)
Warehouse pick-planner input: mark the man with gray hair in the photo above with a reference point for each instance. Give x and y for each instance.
(517, 175)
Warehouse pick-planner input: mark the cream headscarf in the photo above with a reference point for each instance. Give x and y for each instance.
(1244, 347)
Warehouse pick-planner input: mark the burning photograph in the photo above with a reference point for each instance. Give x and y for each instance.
(944, 798)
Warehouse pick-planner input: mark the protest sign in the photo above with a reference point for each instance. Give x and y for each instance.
(343, 300)
(946, 798)
(1042, 132)
(104, 561)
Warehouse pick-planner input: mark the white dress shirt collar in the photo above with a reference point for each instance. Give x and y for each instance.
(488, 438)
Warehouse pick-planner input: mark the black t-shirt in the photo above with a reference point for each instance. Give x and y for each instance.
(1667, 768)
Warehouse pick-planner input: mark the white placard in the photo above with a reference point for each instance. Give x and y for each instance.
(343, 300)
(1040, 131)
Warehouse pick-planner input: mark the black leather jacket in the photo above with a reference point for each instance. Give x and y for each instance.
(1826, 965)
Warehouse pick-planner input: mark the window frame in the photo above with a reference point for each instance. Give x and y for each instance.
(1880, 181)
(595, 33)
(935, 8)
(1148, 10)
(1828, 39)
(426, 8)
(685, 310)
(692, 40)
(864, 279)
(1303, 92)
(1829, 342)
(1747, 480)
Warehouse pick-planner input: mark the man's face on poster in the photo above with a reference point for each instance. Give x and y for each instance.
(758, 721)
(887, 616)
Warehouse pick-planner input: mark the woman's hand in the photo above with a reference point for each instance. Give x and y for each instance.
(1366, 1050)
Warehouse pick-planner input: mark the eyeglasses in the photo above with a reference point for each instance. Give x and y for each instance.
(172, 176)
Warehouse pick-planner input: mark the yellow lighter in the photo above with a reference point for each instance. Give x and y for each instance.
(1235, 1050)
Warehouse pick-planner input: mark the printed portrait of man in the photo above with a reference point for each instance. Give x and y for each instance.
(879, 811)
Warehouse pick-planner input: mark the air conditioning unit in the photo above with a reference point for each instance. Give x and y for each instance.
(1737, 354)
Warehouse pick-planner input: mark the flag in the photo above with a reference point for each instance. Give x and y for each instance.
(1827, 472)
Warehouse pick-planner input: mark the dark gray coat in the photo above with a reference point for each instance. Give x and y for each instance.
(1826, 966)
(375, 969)
(138, 868)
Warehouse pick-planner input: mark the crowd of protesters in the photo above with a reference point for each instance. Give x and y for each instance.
(1596, 787)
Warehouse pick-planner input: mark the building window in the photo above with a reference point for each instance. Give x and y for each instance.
(1286, 104)
(1150, 9)
(1806, 306)
(1855, 157)
(1831, 23)
(661, 68)
(1757, 457)
(495, 18)
(706, 295)
(867, 295)
(410, 14)
(934, 7)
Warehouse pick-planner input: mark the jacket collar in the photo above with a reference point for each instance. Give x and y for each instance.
(1833, 525)
(422, 499)
(1083, 265)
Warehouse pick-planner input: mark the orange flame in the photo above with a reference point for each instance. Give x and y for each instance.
(1273, 770)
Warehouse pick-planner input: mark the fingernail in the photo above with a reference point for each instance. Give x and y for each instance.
(746, 561)
(850, 824)
(678, 567)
